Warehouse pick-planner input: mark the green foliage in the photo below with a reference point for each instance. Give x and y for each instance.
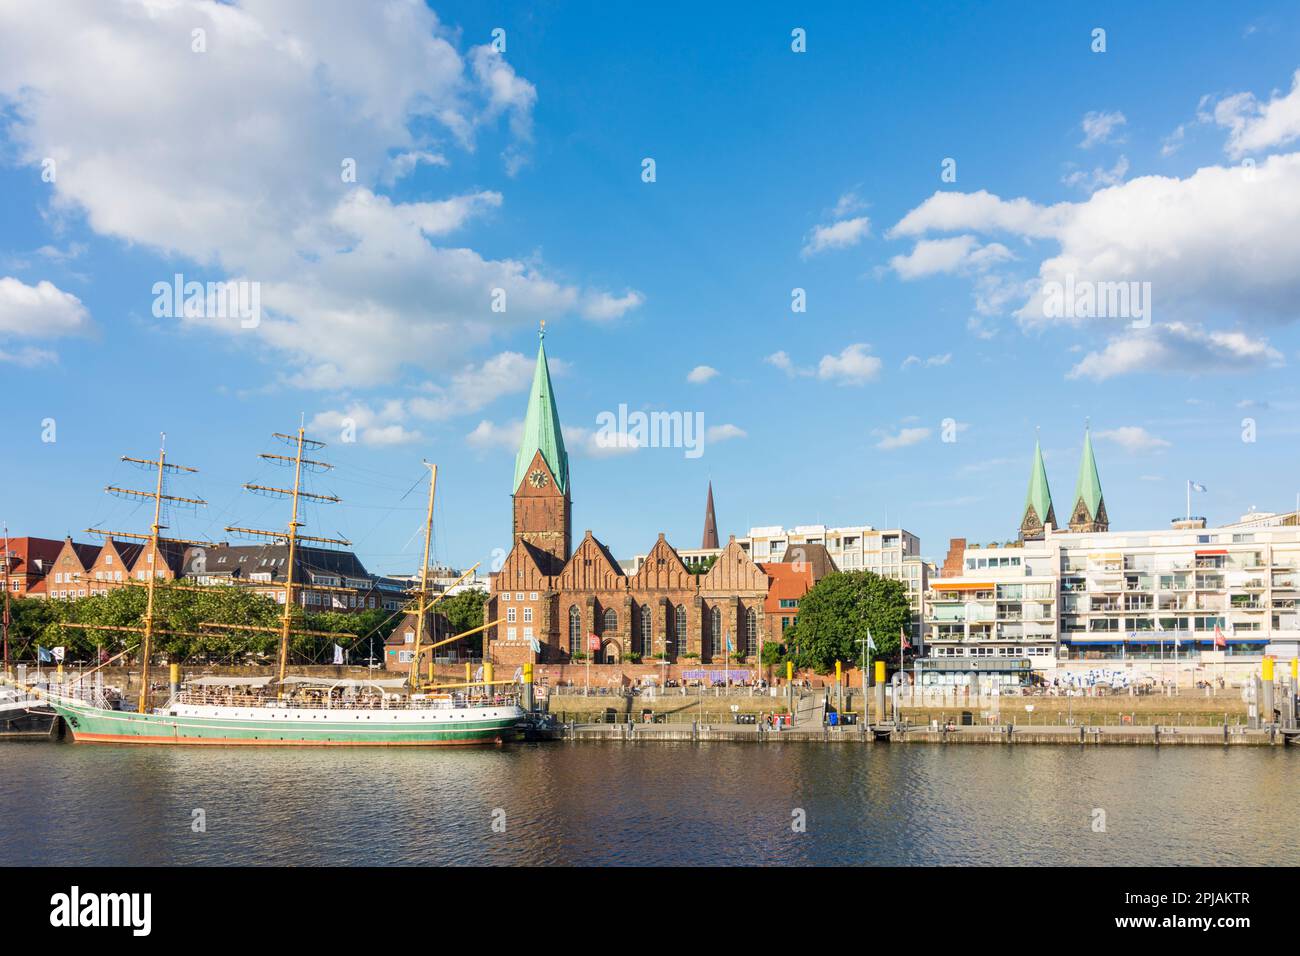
(835, 616)
(463, 610)
(41, 622)
(773, 654)
(702, 565)
(633, 657)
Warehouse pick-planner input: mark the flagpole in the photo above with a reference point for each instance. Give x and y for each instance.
(1189, 499)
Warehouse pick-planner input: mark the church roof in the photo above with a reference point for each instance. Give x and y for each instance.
(542, 428)
(1088, 487)
(710, 523)
(1040, 496)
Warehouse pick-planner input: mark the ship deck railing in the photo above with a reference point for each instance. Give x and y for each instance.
(298, 702)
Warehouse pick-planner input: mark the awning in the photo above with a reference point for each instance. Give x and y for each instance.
(962, 586)
(229, 681)
(1212, 552)
(392, 682)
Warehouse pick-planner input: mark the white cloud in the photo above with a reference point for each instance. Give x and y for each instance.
(356, 289)
(838, 235)
(848, 203)
(1184, 236)
(601, 306)
(957, 254)
(1254, 126)
(853, 366)
(931, 362)
(1177, 347)
(1133, 438)
(367, 425)
(487, 434)
(715, 433)
(903, 438)
(1100, 127)
(41, 311)
(701, 374)
(782, 361)
(1099, 177)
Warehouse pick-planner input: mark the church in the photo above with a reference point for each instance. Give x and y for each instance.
(554, 602)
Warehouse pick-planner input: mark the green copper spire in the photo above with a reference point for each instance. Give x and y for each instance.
(542, 425)
(1038, 500)
(1088, 488)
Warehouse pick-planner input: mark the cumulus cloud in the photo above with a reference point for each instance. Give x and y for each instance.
(356, 288)
(852, 366)
(42, 311)
(958, 254)
(836, 235)
(1177, 347)
(715, 433)
(932, 362)
(1099, 178)
(1132, 438)
(1100, 127)
(701, 374)
(1255, 126)
(903, 438)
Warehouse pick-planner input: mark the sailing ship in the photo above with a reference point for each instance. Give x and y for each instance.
(292, 710)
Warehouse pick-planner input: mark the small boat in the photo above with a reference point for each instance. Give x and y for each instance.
(24, 714)
(307, 712)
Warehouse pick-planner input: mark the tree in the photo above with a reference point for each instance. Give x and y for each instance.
(835, 616)
(464, 611)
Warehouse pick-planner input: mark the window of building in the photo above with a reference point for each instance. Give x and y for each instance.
(647, 631)
(528, 615)
(532, 596)
(679, 631)
(512, 633)
(512, 615)
(751, 632)
(715, 632)
(611, 621)
(575, 630)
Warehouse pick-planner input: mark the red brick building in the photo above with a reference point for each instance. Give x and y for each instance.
(29, 561)
(111, 566)
(554, 604)
(68, 577)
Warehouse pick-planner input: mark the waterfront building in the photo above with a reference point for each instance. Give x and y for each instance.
(553, 602)
(112, 565)
(324, 579)
(1088, 592)
(28, 563)
(70, 567)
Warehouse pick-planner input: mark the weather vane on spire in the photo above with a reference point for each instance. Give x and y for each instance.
(541, 331)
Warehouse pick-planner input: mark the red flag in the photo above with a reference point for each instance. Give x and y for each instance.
(1219, 639)
(906, 644)
(593, 642)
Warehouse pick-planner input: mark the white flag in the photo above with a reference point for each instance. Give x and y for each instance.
(338, 654)
(871, 645)
(58, 654)
(535, 644)
(1197, 486)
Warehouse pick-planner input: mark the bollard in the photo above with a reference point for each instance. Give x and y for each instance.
(880, 691)
(1266, 698)
(174, 678)
(526, 698)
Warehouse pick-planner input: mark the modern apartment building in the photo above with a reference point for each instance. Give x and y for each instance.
(893, 553)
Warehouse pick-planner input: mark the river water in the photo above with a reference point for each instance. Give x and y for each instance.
(658, 803)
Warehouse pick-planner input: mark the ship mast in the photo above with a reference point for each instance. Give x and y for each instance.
(5, 623)
(291, 535)
(421, 604)
(163, 467)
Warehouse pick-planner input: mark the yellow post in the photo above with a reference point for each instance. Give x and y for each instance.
(175, 674)
(528, 673)
(839, 670)
(1295, 670)
(469, 674)
(880, 672)
(430, 671)
(789, 670)
(1268, 670)
(487, 673)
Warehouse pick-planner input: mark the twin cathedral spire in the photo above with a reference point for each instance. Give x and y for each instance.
(1088, 513)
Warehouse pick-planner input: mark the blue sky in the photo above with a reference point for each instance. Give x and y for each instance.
(1169, 158)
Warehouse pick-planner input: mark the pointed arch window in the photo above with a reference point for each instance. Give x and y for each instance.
(715, 632)
(611, 621)
(575, 630)
(647, 631)
(679, 632)
(751, 632)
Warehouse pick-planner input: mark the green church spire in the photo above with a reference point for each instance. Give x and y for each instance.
(1089, 512)
(542, 425)
(1038, 501)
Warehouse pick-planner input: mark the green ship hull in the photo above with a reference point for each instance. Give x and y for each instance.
(290, 727)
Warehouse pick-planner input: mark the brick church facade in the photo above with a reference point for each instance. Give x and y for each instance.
(555, 602)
